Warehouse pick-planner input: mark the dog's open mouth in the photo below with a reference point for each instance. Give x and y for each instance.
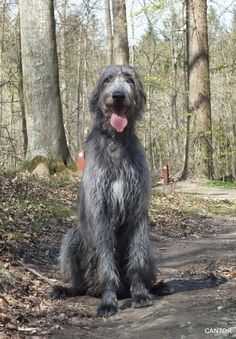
(118, 119)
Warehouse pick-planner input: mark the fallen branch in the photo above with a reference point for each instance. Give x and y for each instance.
(39, 275)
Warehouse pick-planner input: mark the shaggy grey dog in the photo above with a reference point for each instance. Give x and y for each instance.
(108, 253)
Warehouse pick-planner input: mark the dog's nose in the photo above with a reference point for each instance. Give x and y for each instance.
(118, 96)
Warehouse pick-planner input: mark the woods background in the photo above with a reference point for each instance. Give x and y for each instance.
(183, 50)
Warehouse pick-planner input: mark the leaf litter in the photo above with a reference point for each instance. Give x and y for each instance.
(34, 214)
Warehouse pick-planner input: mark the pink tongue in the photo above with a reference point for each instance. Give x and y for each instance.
(119, 122)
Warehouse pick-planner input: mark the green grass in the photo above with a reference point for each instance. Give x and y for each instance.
(221, 184)
(5, 276)
(222, 209)
(182, 204)
(16, 234)
(61, 211)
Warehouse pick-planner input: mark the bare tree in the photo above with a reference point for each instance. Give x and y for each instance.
(199, 89)
(108, 32)
(177, 123)
(46, 135)
(62, 62)
(233, 104)
(2, 26)
(21, 96)
(120, 36)
(186, 93)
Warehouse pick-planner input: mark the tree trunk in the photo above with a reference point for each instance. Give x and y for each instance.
(45, 129)
(174, 92)
(63, 79)
(85, 88)
(108, 32)
(233, 99)
(120, 36)
(80, 70)
(132, 61)
(21, 94)
(3, 9)
(22, 105)
(234, 150)
(199, 89)
(184, 174)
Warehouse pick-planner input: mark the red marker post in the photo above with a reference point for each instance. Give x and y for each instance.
(80, 160)
(165, 174)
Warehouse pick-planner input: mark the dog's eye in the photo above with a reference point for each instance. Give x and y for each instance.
(129, 80)
(108, 79)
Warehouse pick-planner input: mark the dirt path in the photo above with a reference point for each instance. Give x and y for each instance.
(201, 273)
(209, 192)
(195, 240)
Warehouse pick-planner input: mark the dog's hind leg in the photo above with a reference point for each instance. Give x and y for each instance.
(141, 268)
(70, 267)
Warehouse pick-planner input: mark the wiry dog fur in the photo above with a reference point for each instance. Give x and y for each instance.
(108, 252)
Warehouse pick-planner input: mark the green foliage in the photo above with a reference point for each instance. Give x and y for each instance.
(155, 82)
(4, 275)
(151, 9)
(16, 235)
(221, 184)
(219, 68)
(179, 206)
(61, 211)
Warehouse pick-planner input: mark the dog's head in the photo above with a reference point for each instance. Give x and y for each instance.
(119, 98)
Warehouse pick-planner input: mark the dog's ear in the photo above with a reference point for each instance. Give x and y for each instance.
(93, 102)
(94, 97)
(141, 95)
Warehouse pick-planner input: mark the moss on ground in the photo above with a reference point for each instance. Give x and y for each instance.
(54, 165)
(221, 184)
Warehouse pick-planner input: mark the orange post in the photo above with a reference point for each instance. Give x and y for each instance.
(80, 160)
(165, 173)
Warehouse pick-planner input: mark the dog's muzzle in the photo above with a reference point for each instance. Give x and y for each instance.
(118, 119)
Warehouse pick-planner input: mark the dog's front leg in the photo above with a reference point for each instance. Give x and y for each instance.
(107, 273)
(139, 265)
(108, 305)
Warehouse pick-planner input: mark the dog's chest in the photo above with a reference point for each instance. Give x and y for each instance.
(117, 190)
(125, 189)
(118, 202)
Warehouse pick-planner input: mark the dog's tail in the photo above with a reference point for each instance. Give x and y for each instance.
(63, 292)
(160, 289)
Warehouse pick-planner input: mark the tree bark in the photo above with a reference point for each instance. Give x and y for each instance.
(199, 90)
(186, 110)
(45, 129)
(132, 57)
(233, 101)
(80, 70)
(3, 9)
(22, 103)
(108, 32)
(63, 79)
(120, 35)
(174, 90)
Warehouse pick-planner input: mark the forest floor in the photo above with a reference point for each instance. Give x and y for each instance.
(193, 229)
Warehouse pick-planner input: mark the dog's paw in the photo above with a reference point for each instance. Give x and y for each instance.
(107, 310)
(58, 292)
(142, 300)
